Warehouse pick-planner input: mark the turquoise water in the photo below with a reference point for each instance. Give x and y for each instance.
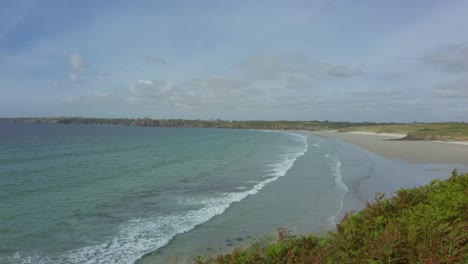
(91, 194)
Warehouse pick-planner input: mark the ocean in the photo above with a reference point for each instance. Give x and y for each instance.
(111, 194)
(145, 195)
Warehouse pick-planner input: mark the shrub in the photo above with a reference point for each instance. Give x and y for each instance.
(428, 224)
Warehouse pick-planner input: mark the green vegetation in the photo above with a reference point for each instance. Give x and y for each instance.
(257, 124)
(414, 131)
(427, 224)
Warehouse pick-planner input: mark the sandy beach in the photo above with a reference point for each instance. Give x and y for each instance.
(391, 164)
(412, 151)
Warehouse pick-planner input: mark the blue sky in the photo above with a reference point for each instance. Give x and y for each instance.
(396, 61)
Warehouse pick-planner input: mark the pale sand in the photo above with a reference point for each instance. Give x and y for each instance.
(400, 136)
(378, 134)
(456, 142)
(413, 151)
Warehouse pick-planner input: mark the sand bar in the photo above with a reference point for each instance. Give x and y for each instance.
(412, 151)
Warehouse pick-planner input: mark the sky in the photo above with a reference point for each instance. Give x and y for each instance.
(378, 61)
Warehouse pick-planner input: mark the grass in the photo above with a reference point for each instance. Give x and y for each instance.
(428, 224)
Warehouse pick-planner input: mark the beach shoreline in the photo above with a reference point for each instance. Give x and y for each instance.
(436, 157)
(420, 151)
(362, 170)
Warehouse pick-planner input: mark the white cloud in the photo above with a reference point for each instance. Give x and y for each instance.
(279, 66)
(76, 61)
(273, 87)
(147, 89)
(263, 82)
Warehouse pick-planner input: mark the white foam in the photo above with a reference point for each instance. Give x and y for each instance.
(252, 181)
(317, 145)
(336, 171)
(35, 258)
(141, 236)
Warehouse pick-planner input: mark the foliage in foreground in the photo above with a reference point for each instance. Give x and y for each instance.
(427, 224)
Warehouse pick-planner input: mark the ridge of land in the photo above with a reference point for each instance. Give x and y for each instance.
(447, 131)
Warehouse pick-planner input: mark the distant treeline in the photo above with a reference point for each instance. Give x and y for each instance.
(281, 125)
(414, 131)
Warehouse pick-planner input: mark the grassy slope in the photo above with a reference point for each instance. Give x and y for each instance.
(428, 224)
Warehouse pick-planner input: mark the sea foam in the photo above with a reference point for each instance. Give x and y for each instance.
(336, 172)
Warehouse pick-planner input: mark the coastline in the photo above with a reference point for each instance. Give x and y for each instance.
(401, 136)
(361, 170)
(306, 200)
(407, 150)
(390, 163)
